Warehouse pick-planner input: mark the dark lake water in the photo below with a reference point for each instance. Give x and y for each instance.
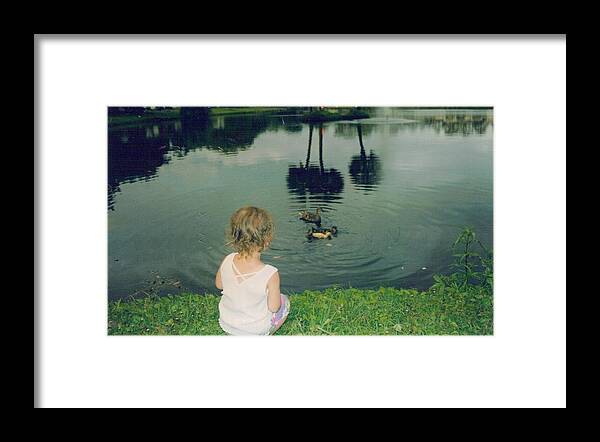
(399, 186)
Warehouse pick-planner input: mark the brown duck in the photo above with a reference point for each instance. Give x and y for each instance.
(311, 217)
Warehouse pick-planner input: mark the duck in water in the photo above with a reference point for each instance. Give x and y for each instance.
(311, 217)
(321, 233)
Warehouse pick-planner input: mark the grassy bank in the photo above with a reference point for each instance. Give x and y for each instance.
(387, 311)
(331, 114)
(158, 115)
(175, 113)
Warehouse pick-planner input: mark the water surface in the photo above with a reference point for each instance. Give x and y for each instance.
(399, 186)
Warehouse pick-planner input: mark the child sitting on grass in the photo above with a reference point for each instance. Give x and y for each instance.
(252, 303)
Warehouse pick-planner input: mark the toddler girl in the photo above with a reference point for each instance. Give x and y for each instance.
(252, 303)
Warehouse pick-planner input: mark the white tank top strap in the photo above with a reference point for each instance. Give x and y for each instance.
(239, 273)
(229, 267)
(227, 262)
(269, 271)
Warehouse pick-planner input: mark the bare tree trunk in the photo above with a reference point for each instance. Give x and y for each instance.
(360, 141)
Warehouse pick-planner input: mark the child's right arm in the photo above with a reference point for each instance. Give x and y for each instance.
(218, 281)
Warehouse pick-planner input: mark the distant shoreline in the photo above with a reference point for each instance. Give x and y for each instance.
(174, 114)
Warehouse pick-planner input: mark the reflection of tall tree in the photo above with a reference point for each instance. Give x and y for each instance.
(194, 133)
(365, 170)
(310, 132)
(313, 180)
(448, 122)
(232, 134)
(135, 152)
(321, 147)
(347, 129)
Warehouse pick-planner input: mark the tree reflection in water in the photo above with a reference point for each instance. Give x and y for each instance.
(460, 124)
(228, 135)
(308, 179)
(136, 152)
(365, 170)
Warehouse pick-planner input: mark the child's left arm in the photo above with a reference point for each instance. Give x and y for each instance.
(274, 293)
(218, 280)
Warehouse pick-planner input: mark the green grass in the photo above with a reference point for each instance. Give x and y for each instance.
(330, 114)
(155, 115)
(169, 114)
(449, 310)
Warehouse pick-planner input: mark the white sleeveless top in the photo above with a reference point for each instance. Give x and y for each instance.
(243, 307)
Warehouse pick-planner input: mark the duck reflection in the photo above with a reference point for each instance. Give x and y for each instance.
(310, 179)
(137, 151)
(365, 170)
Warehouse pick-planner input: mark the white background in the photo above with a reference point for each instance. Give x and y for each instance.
(523, 365)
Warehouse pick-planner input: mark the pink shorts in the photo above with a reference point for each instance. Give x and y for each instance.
(279, 318)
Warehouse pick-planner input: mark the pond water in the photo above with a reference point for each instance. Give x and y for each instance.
(399, 186)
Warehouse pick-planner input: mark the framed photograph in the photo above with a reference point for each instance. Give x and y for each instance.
(300, 221)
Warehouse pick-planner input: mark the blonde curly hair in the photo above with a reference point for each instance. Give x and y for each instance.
(250, 230)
